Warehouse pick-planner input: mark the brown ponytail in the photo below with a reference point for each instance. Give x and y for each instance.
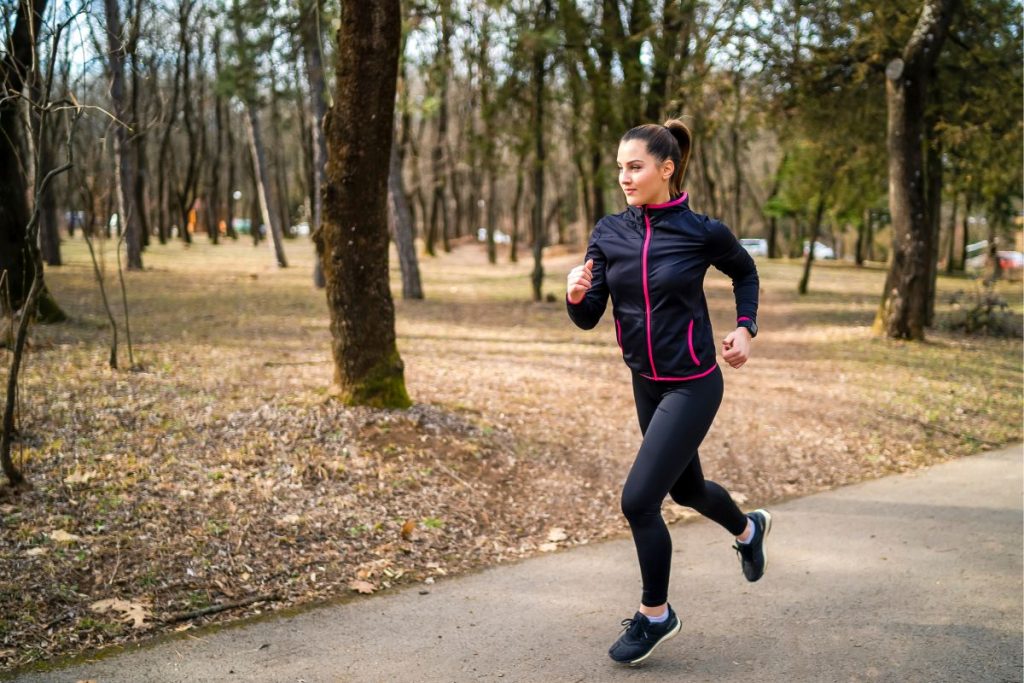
(670, 141)
(685, 141)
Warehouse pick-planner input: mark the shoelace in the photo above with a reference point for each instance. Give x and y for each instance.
(634, 627)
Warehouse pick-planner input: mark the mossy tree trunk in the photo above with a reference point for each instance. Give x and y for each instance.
(353, 239)
(903, 310)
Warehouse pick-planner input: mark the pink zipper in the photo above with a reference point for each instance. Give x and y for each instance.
(647, 295)
(689, 342)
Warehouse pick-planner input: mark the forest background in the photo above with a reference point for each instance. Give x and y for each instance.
(213, 475)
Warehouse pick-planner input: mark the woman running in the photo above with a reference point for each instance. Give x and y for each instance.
(651, 260)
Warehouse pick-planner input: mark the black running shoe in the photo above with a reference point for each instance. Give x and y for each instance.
(640, 637)
(753, 555)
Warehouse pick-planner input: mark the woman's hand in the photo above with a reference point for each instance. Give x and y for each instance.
(736, 347)
(579, 281)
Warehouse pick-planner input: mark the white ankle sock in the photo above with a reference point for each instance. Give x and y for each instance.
(658, 619)
(753, 532)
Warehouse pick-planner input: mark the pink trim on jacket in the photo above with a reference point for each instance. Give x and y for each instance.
(674, 202)
(681, 379)
(689, 343)
(647, 295)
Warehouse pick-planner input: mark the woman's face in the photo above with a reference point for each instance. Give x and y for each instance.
(642, 179)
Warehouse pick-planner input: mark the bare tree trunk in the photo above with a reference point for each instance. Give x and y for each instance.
(311, 28)
(903, 309)
(138, 140)
(354, 240)
(539, 55)
(281, 190)
(439, 205)
(517, 207)
(965, 228)
(49, 235)
(17, 262)
(737, 170)
(411, 286)
(259, 165)
(186, 196)
(124, 168)
(951, 244)
(933, 195)
(229, 191)
(862, 231)
(805, 279)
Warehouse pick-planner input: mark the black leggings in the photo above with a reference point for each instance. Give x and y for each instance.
(674, 417)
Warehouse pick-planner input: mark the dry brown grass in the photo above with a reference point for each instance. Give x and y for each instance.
(223, 470)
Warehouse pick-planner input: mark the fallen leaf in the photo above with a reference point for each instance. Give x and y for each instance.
(35, 552)
(79, 477)
(289, 520)
(547, 547)
(364, 587)
(135, 612)
(557, 534)
(407, 529)
(61, 536)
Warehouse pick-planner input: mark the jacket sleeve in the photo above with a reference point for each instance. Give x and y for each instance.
(726, 254)
(588, 312)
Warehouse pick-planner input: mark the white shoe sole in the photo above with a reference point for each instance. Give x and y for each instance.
(668, 636)
(764, 540)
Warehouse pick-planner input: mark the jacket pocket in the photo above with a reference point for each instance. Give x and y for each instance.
(689, 343)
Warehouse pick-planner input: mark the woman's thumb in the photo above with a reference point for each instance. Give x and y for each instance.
(589, 264)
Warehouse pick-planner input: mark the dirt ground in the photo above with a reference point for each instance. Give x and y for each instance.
(221, 481)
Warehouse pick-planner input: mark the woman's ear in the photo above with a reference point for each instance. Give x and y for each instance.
(667, 169)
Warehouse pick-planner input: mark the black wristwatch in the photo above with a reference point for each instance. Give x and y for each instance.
(750, 325)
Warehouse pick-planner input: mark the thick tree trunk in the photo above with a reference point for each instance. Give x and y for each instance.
(259, 165)
(354, 238)
(124, 166)
(17, 264)
(404, 236)
(903, 310)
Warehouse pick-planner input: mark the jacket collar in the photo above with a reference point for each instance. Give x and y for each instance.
(680, 202)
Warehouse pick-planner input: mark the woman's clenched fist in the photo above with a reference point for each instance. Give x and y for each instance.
(579, 281)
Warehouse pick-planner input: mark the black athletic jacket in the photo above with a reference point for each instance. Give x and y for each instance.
(651, 260)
